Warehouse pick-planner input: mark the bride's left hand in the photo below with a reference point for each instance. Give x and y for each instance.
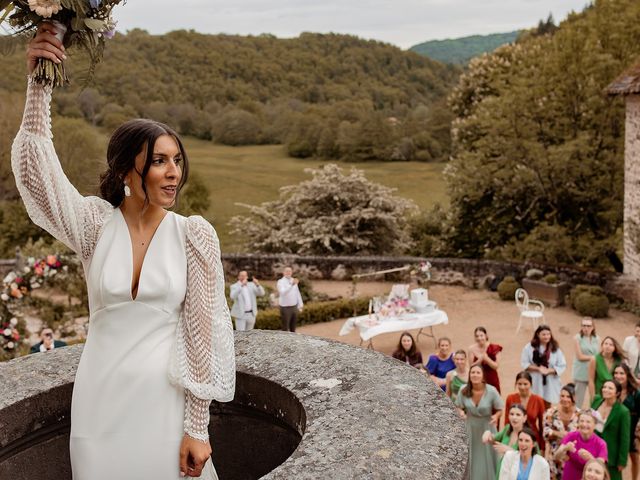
(193, 455)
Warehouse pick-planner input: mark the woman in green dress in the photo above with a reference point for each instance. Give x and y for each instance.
(481, 406)
(458, 377)
(601, 366)
(630, 398)
(586, 345)
(507, 438)
(617, 426)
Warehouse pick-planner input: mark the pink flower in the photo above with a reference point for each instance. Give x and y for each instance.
(51, 260)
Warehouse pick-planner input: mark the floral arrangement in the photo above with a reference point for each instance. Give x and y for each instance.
(17, 285)
(422, 272)
(79, 23)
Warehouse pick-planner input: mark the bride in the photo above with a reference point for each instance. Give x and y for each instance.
(160, 346)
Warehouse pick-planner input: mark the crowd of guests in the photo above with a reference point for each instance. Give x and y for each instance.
(551, 430)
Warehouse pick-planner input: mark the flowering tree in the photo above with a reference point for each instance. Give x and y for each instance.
(333, 213)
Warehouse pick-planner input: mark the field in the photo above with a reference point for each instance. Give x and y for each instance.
(254, 174)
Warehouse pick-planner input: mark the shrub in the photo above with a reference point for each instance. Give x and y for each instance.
(315, 313)
(507, 288)
(580, 289)
(596, 306)
(551, 279)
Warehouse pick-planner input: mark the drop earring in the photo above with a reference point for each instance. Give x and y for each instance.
(127, 190)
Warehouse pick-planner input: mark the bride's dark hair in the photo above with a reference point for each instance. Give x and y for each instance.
(125, 144)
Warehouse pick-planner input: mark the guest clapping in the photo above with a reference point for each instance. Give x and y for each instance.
(559, 420)
(616, 428)
(578, 447)
(407, 352)
(601, 366)
(441, 363)
(485, 354)
(526, 463)
(544, 360)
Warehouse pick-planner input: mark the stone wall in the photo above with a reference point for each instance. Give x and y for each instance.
(473, 273)
(632, 189)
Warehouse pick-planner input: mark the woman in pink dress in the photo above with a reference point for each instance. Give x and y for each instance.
(578, 447)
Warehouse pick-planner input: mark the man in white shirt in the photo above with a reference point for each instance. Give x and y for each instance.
(289, 300)
(245, 307)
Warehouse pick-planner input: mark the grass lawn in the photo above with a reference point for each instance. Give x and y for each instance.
(254, 174)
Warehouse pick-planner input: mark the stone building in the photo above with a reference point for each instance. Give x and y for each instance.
(628, 85)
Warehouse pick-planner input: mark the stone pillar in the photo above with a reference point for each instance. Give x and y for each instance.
(632, 189)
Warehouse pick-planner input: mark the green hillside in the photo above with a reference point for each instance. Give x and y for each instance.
(460, 50)
(331, 96)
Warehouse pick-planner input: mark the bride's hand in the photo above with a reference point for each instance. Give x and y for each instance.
(44, 45)
(193, 455)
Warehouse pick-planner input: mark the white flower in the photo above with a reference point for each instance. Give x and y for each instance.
(4, 297)
(6, 332)
(31, 261)
(13, 321)
(10, 277)
(26, 269)
(10, 345)
(45, 8)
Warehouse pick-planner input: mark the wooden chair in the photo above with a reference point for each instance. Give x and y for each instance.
(529, 309)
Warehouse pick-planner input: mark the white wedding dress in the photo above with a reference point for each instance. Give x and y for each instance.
(150, 365)
(123, 402)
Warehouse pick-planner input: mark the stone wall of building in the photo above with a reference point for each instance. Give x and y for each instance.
(632, 189)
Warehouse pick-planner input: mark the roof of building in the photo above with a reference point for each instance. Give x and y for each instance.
(627, 83)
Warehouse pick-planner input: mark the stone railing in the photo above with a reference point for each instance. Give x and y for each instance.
(445, 270)
(304, 408)
(448, 271)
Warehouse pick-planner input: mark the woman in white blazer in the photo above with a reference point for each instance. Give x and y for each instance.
(631, 347)
(524, 463)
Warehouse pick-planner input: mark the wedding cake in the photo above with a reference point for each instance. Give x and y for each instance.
(420, 301)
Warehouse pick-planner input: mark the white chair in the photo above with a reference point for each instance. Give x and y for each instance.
(532, 309)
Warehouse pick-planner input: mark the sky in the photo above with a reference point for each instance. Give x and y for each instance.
(400, 22)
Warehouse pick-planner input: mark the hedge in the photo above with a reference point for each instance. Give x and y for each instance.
(315, 312)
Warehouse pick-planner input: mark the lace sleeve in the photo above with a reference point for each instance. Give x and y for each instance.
(51, 201)
(204, 358)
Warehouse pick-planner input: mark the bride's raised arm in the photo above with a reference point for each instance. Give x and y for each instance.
(51, 201)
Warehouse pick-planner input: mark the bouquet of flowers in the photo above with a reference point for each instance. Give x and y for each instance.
(422, 273)
(81, 23)
(14, 291)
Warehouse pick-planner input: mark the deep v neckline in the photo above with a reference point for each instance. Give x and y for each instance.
(144, 257)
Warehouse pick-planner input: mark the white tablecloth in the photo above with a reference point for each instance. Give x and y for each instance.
(369, 326)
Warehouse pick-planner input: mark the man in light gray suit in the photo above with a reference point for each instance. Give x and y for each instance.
(245, 308)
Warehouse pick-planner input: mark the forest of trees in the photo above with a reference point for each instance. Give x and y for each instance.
(460, 50)
(538, 147)
(535, 146)
(329, 96)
